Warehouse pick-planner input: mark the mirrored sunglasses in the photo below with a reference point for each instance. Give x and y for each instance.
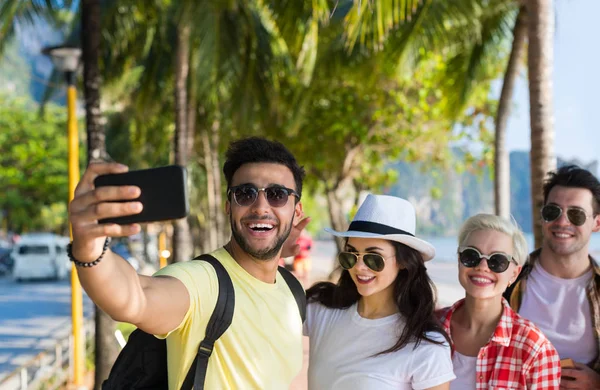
(497, 262)
(374, 261)
(246, 194)
(576, 215)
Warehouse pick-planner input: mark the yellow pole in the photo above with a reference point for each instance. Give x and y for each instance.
(76, 296)
(162, 245)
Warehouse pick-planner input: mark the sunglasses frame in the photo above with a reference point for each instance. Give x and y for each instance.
(487, 258)
(357, 255)
(290, 192)
(567, 213)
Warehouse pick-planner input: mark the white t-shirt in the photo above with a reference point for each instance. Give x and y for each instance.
(342, 345)
(561, 309)
(465, 369)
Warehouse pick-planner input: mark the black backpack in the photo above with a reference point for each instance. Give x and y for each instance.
(142, 364)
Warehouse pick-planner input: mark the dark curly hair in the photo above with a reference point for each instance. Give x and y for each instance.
(261, 150)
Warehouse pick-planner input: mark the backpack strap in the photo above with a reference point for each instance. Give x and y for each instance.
(217, 325)
(297, 290)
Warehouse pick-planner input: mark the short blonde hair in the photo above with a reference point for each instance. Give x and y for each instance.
(499, 224)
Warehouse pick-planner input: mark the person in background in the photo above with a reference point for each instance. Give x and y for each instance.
(302, 261)
(375, 328)
(559, 287)
(494, 347)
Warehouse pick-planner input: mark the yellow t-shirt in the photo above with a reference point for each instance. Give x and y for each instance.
(261, 349)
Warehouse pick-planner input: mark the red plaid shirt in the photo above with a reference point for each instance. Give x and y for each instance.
(518, 356)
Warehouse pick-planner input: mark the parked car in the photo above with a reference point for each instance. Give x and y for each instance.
(6, 260)
(40, 256)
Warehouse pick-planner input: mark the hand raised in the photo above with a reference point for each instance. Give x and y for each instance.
(91, 204)
(290, 248)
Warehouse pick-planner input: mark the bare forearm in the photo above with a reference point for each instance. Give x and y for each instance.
(115, 287)
(156, 305)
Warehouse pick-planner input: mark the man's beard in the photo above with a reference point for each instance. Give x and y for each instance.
(263, 254)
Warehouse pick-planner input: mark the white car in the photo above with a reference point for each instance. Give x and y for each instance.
(40, 256)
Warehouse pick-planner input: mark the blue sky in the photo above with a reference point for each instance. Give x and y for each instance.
(576, 85)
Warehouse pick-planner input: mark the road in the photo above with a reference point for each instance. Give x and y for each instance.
(32, 316)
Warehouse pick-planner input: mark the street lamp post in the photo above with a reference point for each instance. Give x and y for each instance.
(66, 60)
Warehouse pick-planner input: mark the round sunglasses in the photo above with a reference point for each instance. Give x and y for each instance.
(576, 215)
(374, 261)
(497, 262)
(246, 194)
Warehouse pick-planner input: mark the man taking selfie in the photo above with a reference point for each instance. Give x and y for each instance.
(262, 348)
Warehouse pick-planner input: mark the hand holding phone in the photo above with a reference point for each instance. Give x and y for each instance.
(163, 193)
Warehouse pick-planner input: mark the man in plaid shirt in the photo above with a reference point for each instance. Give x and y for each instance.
(559, 288)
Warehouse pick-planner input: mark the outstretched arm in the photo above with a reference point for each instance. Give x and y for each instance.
(155, 304)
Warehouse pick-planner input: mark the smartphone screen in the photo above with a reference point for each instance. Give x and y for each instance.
(163, 193)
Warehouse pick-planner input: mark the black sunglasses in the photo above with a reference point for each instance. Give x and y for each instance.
(374, 261)
(497, 262)
(246, 194)
(576, 215)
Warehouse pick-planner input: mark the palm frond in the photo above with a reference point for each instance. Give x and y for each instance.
(13, 12)
(494, 38)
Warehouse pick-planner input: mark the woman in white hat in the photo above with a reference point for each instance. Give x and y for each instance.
(494, 347)
(376, 328)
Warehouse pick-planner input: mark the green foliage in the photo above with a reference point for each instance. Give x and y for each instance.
(33, 166)
(353, 125)
(12, 76)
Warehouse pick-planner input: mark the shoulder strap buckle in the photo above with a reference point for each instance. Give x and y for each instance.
(205, 348)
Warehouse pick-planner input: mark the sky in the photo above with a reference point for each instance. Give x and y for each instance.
(576, 85)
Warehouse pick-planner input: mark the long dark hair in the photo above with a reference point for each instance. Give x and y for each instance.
(414, 294)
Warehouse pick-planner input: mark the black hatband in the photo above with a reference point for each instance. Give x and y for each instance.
(374, 227)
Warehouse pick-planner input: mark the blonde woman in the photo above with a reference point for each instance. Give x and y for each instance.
(494, 347)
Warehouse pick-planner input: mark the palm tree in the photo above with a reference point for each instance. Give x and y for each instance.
(501, 157)
(14, 12)
(540, 56)
(227, 64)
(472, 28)
(106, 349)
(182, 239)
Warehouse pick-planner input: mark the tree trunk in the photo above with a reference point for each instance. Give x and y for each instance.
(501, 158)
(540, 14)
(182, 239)
(221, 222)
(192, 116)
(212, 232)
(90, 38)
(106, 349)
(146, 243)
(336, 215)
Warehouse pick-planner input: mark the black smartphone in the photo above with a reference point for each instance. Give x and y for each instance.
(163, 193)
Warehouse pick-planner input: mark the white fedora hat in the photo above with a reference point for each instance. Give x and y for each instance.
(390, 218)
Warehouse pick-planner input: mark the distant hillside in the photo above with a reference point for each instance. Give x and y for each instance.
(461, 195)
